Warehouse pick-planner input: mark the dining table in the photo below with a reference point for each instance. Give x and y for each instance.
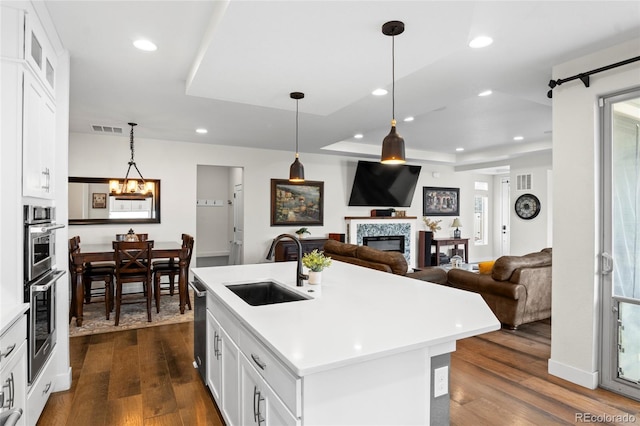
(103, 252)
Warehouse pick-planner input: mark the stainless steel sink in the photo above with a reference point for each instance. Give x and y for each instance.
(265, 293)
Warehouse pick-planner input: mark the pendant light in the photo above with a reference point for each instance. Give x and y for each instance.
(131, 189)
(296, 171)
(393, 143)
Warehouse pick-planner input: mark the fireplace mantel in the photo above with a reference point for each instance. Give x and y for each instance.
(379, 217)
(361, 226)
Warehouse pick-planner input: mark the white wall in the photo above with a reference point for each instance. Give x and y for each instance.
(212, 234)
(576, 180)
(175, 164)
(531, 235)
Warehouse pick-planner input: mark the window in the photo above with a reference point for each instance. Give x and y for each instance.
(481, 220)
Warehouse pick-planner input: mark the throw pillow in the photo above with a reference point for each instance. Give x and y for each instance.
(486, 267)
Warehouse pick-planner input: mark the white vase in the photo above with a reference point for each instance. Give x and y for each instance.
(315, 277)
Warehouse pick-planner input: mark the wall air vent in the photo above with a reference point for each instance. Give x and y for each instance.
(523, 182)
(114, 130)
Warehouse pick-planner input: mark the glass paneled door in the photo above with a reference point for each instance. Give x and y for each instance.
(620, 345)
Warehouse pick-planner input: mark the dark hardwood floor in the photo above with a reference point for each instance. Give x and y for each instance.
(133, 377)
(146, 377)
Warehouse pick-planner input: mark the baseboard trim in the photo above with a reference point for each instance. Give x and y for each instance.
(63, 381)
(574, 375)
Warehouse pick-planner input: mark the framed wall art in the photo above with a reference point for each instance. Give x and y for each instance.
(99, 200)
(440, 201)
(295, 204)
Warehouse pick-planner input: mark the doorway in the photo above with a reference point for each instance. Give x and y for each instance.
(219, 207)
(620, 268)
(505, 212)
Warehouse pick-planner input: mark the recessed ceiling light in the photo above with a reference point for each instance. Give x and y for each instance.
(201, 131)
(145, 45)
(480, 41)
(409, 119)
(485, 93)
(379, 92)
(358, 136)
(518, 138)
(459, 149)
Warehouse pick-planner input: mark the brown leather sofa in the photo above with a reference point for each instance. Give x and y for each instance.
(518, 289)
(387, 261)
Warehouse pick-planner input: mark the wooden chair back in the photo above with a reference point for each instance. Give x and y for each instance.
(74, 246)
(187, 244)
(133, 260)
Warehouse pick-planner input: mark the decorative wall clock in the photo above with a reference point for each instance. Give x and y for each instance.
(527, 206)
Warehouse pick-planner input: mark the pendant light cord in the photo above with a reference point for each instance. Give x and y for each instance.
(393, 78)
(131, 145)
(296, 128)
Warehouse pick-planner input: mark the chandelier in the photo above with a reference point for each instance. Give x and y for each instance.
(131, 189)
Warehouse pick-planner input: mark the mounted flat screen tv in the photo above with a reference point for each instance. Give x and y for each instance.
(384, 185)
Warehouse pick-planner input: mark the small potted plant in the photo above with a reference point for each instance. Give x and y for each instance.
(302, 231)
(316, 261)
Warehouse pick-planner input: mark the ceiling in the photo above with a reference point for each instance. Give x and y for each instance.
(229, 66)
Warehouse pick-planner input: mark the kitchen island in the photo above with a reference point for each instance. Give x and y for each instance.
(362, 350)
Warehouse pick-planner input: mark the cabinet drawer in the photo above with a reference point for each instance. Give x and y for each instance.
(40, 391)
(13, 380)
(11, 340)
(284, 383)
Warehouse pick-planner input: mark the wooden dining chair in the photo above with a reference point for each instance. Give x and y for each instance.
(102, 272)
(171, 269)
(133, 264)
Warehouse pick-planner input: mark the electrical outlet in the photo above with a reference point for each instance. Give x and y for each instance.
(440, 381)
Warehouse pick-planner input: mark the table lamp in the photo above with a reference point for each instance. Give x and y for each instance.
(456, 223)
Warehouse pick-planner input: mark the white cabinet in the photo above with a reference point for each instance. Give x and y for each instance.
(13, 368)
(259, 404)
(39, 53)
(40, 390)
(116, 205)
(245, 396)
(230, 358)
(222, 370)
(214, 366)
(38, 139)
(24, 43)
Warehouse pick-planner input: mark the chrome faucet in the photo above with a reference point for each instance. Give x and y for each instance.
(299, 275)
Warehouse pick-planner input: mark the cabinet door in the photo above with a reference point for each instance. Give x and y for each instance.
(119, 205)
(39, 53)
(259, 405)
(214, 371)
(230, 380)
(38, 139)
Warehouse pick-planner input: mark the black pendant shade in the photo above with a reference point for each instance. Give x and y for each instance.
(393, 147)
(393, 143)
(296, 171)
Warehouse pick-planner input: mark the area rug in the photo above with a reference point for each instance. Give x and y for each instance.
(132, 315)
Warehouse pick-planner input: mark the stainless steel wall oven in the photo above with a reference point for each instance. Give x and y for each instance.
(40, 278)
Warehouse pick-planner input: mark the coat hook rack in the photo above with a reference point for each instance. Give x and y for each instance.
(584, 77)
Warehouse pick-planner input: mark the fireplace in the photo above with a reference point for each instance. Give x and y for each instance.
(385, 242)
(360, 231)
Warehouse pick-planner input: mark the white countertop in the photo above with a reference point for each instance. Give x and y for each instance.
(10, 314)
(357, 314)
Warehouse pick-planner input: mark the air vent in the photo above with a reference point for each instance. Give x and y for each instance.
(106, 129)
(523, 182)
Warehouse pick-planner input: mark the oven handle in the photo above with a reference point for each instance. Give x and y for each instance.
(44, 229)
(44, 287)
